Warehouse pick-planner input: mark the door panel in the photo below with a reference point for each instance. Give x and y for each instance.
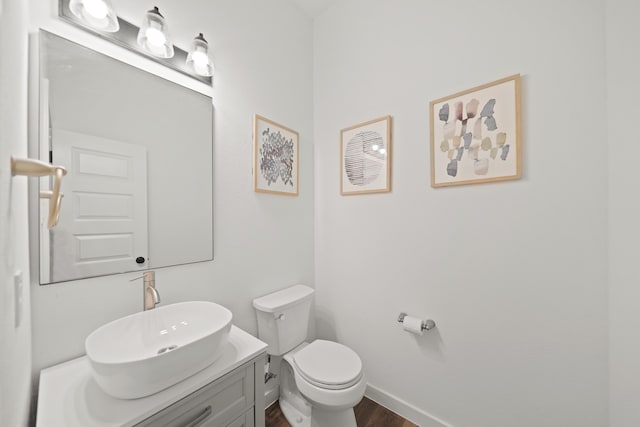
(103, 222)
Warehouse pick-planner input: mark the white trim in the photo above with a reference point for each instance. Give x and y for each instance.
(44, 183)
(404, 409)
(271, 395)
(272, 387)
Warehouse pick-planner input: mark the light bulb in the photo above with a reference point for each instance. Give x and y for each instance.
(155, 37)
(96, 8)
(382, 151)
(375, 147)
(200, 59)
(98, 14)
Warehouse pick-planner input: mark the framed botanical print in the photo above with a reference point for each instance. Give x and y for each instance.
(275, 152)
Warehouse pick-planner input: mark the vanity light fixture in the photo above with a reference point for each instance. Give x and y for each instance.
(151, 39)
(154, 35)
(98, 14)
(198, 59)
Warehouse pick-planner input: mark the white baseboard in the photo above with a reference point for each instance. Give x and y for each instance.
(404, 409)
(272, 387)
(271, 397)
(271, 392)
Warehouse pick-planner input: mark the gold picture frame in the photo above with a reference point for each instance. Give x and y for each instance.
(275, 157)
(476, 135)
(365, 157)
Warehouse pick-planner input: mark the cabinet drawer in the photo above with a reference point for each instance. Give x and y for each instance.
(214, 405)
(245, 420)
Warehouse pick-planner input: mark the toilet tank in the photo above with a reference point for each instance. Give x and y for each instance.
(283, 318)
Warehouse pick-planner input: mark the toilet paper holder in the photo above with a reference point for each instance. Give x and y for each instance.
(427, 325)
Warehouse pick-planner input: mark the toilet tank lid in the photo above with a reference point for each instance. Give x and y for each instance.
(283, 299)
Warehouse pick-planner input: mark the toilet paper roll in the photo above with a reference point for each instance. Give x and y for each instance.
(413, 325)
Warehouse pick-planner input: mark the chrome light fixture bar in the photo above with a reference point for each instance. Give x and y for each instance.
(127, 36)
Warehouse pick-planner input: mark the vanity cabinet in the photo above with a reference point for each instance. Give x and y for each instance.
(246, 420)
(228, 393)
(227, 402)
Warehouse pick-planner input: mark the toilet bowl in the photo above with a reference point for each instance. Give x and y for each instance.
(320, 381)
(329, 377)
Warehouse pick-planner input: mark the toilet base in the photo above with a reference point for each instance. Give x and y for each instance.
(316, 417)
(295, 416)
(343, 418)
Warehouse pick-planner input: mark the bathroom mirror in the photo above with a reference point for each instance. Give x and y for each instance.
(139, 154)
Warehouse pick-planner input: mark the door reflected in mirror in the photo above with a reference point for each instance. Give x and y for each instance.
(139, 154)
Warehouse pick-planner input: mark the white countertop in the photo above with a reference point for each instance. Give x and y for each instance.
(69, 397)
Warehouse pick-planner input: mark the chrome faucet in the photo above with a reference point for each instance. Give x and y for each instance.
(150, 295)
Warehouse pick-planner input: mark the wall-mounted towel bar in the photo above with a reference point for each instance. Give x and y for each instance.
(32, 167)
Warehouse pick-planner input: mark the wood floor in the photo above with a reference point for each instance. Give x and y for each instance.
(368, 414)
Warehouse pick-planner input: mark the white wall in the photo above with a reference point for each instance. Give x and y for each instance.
(261, 242)
(514, 273)
(623, 92)
(15, 339)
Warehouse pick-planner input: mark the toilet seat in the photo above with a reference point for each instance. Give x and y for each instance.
(328, 365)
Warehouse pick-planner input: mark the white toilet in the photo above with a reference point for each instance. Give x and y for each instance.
(321, 381)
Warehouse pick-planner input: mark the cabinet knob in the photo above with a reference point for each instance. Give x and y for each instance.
(140, 260)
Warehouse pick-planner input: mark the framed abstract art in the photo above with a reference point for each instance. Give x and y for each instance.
(475, 135)
(365, 157)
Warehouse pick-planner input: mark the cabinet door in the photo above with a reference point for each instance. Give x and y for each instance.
(214, 405)
(245, 420)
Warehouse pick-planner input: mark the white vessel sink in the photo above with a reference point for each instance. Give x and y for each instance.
(146, 352)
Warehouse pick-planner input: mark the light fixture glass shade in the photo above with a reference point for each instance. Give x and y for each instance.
(154, 35)
(198, 59)
(98, 14)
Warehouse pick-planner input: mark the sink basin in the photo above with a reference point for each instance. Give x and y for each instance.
(146, 352)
